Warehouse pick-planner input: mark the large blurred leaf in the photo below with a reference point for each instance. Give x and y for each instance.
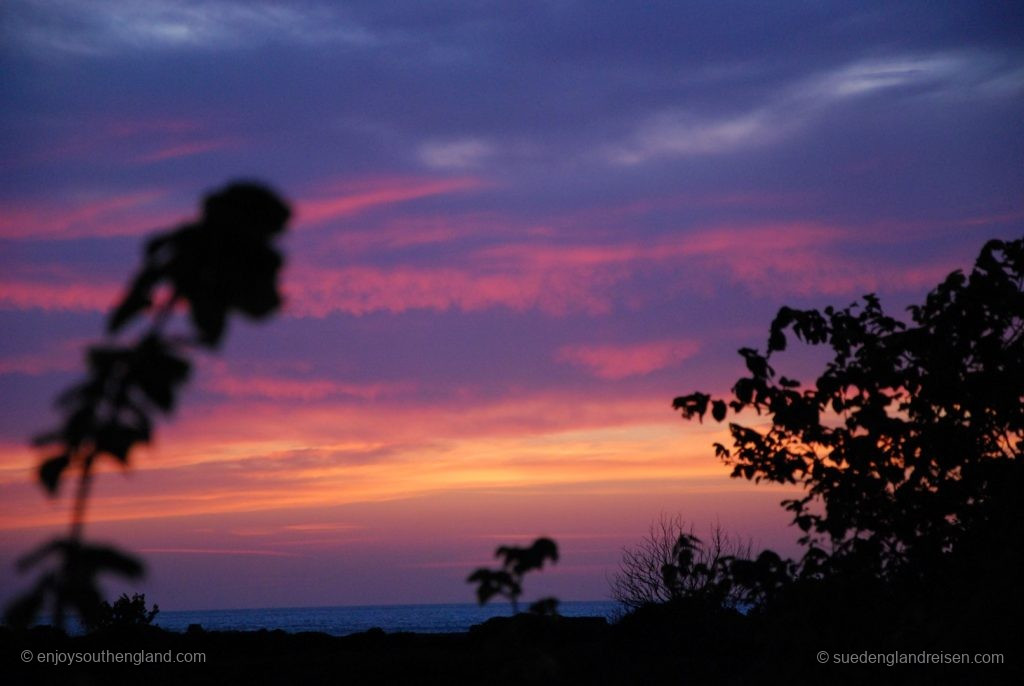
(50, 471)
(223, 262)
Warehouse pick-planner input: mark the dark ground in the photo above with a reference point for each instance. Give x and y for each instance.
(649, 648)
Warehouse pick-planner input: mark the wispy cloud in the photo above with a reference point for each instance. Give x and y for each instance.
(684, 134)
(187, 149)
(99, 27)
(360, 196)
(558, 279)
(620, 361)
(60, 357)
(27, 294)
(873, 75)
(250, 457)
(217, 551)
(681, 132)
(118, 214)
(219, 379)
(459, 154)
(359, 290)
(553, 278)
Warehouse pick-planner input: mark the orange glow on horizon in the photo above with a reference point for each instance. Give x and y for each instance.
(253, 458)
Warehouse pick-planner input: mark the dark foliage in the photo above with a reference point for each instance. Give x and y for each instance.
(907, 447)
(71, 580)
(508, 579)
(906, 443)
(224, 262)
(545, 607)
(660, 644)
(672, 563)
(125, 613)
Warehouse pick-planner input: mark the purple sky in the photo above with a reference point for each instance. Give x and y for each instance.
(521, 229)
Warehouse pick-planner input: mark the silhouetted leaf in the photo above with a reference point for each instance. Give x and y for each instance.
(210, 319)
(159, 371)
(693, 405)
(50, 471)
(744, 390)
(223, 263)
(777, 339)
(138, 298)
(37, 555)
(247, 207)
(108, 559)
(757, 364)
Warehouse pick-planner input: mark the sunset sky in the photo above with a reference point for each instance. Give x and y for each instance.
(520, 230)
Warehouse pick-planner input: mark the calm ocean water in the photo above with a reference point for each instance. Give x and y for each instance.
(340, 621)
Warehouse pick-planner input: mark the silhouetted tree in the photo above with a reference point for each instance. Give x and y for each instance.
(224, 262)
(908, 444)
(125, 612)
(671, 563)
(508, 579)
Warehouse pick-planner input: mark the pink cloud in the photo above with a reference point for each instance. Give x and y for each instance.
(323, 526)
(118, 215)
(185, 149)
(397, 422)
(779, 259)
(358, 197)
(553, 278)
(28, 294)
(615, 214)
(142, 211)
(217, 551)
(108, 138)
(66, 356)
(220, 380)
(773, 259)
(358, 290)
(420, 230)
(714, 241)
(806, 259)
(998, 218)
(620, 361)
(127, 128)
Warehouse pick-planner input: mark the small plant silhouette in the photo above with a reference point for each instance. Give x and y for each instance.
(508, 579)
(222, 263)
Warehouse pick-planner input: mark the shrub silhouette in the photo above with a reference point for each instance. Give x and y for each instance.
(222, 263)
(907, 445)
(508, 579)
(671, 563)
(124, 613)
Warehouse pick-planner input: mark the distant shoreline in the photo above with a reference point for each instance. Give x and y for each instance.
(345, 620)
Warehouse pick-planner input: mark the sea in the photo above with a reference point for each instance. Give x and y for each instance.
(343, 620)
